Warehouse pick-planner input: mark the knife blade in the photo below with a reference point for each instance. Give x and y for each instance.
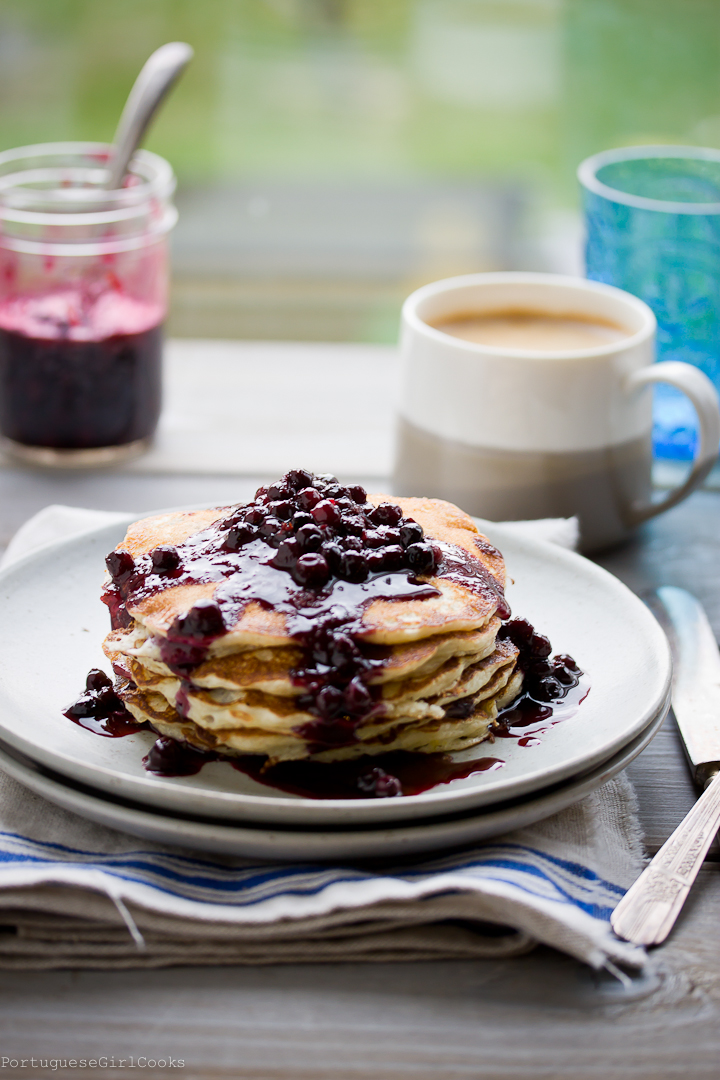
(647, 912)
(696, 681)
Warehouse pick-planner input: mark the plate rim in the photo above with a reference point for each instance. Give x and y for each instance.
(403, 838)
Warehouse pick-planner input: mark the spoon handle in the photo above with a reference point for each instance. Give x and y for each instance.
(647, 912)
(158, 75)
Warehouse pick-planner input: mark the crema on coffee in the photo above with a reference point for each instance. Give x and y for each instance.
(532, 331)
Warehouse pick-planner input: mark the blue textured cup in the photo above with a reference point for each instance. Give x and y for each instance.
(652, 217)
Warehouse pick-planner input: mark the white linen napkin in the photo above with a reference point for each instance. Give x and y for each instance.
(77, 894)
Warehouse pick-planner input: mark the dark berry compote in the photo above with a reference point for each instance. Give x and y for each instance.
(319, 553)
(100, 710)
(553, 686)
(79, 370)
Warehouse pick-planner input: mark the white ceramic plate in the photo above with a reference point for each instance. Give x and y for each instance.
(52, 624)
(315, 844)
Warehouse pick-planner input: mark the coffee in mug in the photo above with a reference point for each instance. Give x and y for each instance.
(533, 330)
(528, 395)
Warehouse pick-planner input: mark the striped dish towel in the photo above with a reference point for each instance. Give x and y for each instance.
(76, 894)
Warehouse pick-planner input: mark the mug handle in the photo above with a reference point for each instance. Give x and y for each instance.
(704, 397)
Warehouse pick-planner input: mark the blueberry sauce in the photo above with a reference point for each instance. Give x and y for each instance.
(525, 719)
(101, 711)
(546, 678)
(78, 373)
(381, 776)
(168, 757)
(318, 553)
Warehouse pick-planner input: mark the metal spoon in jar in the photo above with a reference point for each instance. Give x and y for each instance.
(158, 76)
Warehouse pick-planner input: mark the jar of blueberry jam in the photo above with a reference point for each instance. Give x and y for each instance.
(83, 298)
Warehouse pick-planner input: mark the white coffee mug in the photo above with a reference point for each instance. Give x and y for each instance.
(509, 433)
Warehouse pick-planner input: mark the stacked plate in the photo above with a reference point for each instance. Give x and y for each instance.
(51, 627)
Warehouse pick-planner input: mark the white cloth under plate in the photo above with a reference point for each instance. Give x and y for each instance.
(76, 894)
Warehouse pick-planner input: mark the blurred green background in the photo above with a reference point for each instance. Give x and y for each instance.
(334, 154)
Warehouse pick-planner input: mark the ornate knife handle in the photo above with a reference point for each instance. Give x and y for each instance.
(647, 912)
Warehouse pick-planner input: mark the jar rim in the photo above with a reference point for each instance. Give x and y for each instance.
(72, 204)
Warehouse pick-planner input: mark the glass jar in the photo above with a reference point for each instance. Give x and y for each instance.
(83, 298)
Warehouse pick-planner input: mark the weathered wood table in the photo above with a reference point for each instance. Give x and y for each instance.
(238, 414)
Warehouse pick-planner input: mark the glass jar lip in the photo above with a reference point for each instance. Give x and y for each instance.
(59, 162)
(589, 168)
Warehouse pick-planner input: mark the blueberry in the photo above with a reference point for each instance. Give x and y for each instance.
(300, 519)
(389, 535)
(100, 700)
(333, 554)
(86, 705)
(376, 561)
(420, 558)
(307, 498)
(539, 667)
(107, 700)
(255, 515)
(318, 648)
(165, 559)
(519, 631)
(563, 675)
(203, 620)
(269, 527)
(354, 524)
(387, 786)
(358, 698)
(411, 533)
(372, 538)
(386, 514)
(287, 554)
(120, 565)
(309, 538)
(312, 570)
(97, 680)
(297, 479)
(358, 493)
(326, 513)
(343, 651)
(539, 645)
(329, 702)
(353, 566)
(330, 491)
(546, 689)
(239, 535)
(282, 509)
(568, 662)
(393, 557)
(380, 784)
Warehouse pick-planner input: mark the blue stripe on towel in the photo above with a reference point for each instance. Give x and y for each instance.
(529, 872)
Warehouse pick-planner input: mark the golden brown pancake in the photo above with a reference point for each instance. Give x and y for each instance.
(247, 690)
(429, 735)
(270, 669)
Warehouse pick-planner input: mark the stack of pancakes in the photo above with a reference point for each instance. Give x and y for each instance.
(438, 674)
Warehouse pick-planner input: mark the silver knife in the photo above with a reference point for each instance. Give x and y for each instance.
(647, 912)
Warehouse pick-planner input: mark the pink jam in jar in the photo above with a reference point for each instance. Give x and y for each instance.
(83, 297)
